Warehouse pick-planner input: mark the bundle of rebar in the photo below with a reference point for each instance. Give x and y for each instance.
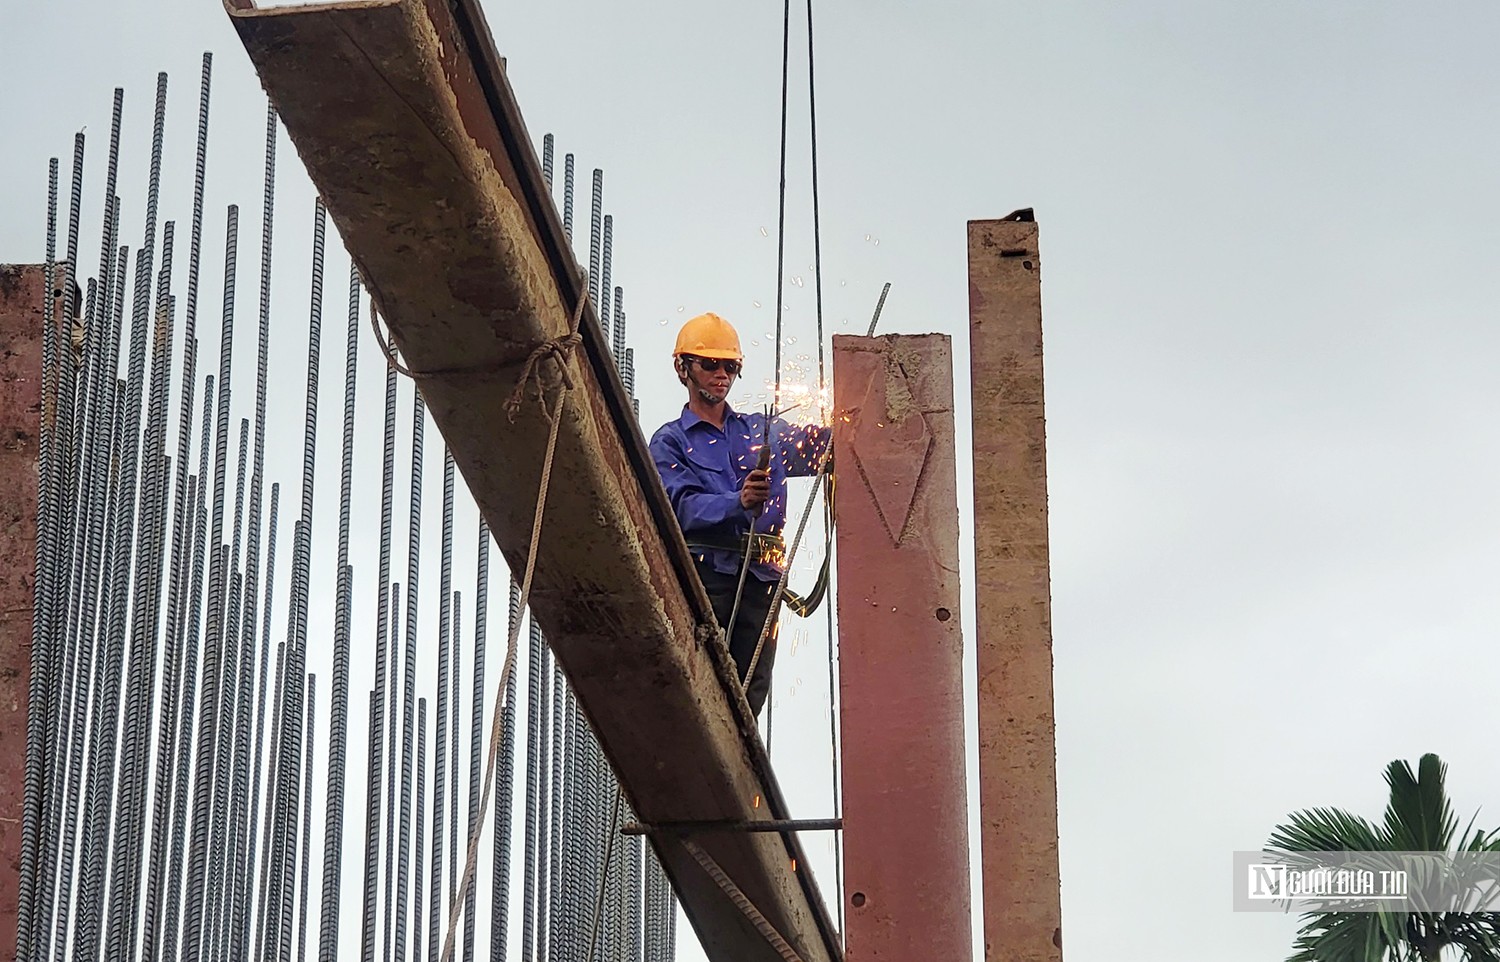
(174, 760)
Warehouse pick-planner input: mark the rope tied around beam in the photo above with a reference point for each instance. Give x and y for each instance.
(559, 348)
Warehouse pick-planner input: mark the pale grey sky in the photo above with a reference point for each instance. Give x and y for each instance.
(1267, 232)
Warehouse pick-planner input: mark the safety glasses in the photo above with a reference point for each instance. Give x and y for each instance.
(732, 368)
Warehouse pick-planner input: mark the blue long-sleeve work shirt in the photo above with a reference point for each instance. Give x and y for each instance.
(703, 469)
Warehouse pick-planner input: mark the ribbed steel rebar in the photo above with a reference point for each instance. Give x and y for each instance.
(307, 790)
(333, 830)
(373, 800)
(476, 717)
(408, 708)
(292, 810)
(246, 852)
(228, 695)
(213, 658)
(413, 587)
(606, 257)
(572, 895)
(453, 761)
(530, 893)
(38, 700)
(193, 636)
(102, 806)
(454, 691)
(568, 195)
(555, 891)
(623, 358)
(54, 722)
(538, 654)
(420, 791)
(596, 211)
(273, 802)
(437, 906)
(547, 148)
(145, 635)
(504, 802)
(172, 684)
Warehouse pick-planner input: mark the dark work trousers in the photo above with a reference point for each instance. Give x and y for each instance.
(755, 602)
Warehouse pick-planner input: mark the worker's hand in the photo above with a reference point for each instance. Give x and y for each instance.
(756, 490)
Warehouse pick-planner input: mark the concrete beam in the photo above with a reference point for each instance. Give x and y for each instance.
(402, 113)
(23, 299)
(906, 839)
(1017, 735)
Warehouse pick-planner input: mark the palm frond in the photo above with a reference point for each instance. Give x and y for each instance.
(1419, 816)
(1326, 830)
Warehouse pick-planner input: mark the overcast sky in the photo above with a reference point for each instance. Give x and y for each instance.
(1268, 234)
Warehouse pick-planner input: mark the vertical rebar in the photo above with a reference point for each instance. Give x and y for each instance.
(37, 707)
(420, 792)
(307, 789)
(568, 195)
(623, 358)
(172, 683)
(408, 695)
(596, 211)
(453, 761)
(606, 256)
(246, 855)
(102, 801)
(556, 907)
(436, 908)
(530, 900)
(333, 831)
(504, 803)
(476, 717)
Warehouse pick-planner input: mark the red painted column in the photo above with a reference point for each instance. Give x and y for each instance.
(906, 848)
(1013, 620)
(22, 297)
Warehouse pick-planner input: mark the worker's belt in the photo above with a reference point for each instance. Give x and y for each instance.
(765, 548)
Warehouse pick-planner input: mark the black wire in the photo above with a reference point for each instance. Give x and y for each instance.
(812, 108)
(786, 48)
(812, 105)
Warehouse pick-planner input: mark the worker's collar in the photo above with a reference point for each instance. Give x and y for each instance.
(690, 418)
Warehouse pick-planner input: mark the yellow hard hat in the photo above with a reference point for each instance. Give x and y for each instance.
(709, 335)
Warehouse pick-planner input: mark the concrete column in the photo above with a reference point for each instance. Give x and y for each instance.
(22, 296)
(1017, 753)
(906, 843)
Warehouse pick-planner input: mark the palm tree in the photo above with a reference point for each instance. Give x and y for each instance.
(1418, 818)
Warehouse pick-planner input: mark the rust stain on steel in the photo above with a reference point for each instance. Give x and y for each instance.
(401, 112)
(1017, 753)
(906, 848)
(23, 297)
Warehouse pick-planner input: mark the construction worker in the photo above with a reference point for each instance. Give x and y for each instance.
(728, 505)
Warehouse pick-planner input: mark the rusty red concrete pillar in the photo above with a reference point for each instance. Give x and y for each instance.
(22, 299)
(1013, 641)
(906, 840)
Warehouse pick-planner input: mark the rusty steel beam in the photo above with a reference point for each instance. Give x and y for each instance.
(1017, 753)
(403, 115)
(901, 705)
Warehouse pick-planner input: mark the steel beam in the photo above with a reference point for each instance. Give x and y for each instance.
(403, 115)
(901, 707)
(1017, 754)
